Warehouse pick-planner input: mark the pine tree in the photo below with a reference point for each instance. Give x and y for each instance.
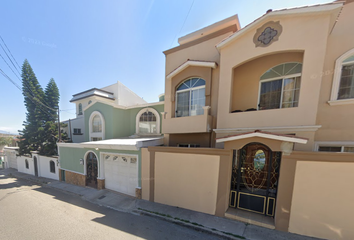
(52, 100)
(33, 94)
(50, 133)
(40, 131)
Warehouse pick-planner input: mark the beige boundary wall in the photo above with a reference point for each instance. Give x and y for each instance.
(323, 195)
(315, 192)
(193, 178)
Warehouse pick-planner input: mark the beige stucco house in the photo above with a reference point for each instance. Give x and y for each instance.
(258, 122)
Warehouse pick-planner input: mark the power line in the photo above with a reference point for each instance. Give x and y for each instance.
(68, 112)
(9, 65)
(34, 100)
(24, 80)
(183, 23)
(4, 74)
(8, 56)
(9, 51)
(25, 83)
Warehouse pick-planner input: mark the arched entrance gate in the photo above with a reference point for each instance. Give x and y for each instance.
(91, 170)
(254, 180)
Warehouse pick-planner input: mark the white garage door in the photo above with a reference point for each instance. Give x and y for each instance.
(121, 173)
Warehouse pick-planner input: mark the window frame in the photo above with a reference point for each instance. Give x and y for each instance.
(190, 96)
(188, 145)
(51, 162)
(78, 132)
(80, 109)
(282, 91)
(96, 134)
(342, 145)
(337, 79)
(137, 120)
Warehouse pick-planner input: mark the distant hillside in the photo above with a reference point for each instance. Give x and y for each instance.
(7, 133)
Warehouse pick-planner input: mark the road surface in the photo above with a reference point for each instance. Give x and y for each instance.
(31, 211)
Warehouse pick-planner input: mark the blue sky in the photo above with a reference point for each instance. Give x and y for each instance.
(87, 44)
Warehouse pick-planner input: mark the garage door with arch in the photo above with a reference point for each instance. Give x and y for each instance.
(121, 173)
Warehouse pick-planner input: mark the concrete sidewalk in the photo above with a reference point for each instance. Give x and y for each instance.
(229, 229)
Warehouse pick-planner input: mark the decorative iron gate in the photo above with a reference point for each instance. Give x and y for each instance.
(254, 180)
(91, 170)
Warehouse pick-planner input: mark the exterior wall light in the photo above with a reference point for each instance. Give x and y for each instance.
(81, 161)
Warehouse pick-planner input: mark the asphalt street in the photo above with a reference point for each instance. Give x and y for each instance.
(30, 211)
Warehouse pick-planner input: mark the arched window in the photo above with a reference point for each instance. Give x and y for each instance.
(346, 83)
(280, 86)
(97, 126)
(52, 166)
(148, 121)
(190, 97)
(343, 80)
(26, 164)
(80, 109)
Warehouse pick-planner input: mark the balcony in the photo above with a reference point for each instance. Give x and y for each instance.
(191, 124)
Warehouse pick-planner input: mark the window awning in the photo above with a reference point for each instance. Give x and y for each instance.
(189, 63)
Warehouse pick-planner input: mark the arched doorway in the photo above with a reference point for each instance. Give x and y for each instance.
(91, 170)
(254, 179)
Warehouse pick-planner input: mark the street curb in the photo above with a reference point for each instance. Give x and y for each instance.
(189, 225)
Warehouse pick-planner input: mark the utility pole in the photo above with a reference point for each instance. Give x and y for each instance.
(71, 134)
(59, 132)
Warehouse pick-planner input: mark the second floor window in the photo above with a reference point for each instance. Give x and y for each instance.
(346, 85)
(80, 109)
(190, 98)
(280, 86)
(147, 123)
(96, 124)
(77, 131)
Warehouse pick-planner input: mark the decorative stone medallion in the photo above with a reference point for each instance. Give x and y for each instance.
(267, 34)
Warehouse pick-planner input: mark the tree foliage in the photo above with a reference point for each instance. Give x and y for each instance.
(5, 141)
(40, 132)
(52, 100)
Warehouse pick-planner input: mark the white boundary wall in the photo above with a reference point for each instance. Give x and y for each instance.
(21, 165)
(10, 157)
(43, 164)
(44, 167)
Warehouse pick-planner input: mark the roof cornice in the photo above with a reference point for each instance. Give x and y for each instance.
(321, 8)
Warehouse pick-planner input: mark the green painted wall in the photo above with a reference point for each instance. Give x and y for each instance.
(118, 122)
(70, 158)
(133, 112)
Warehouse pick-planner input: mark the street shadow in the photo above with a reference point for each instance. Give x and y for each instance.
(16, 183)
(138, 225)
